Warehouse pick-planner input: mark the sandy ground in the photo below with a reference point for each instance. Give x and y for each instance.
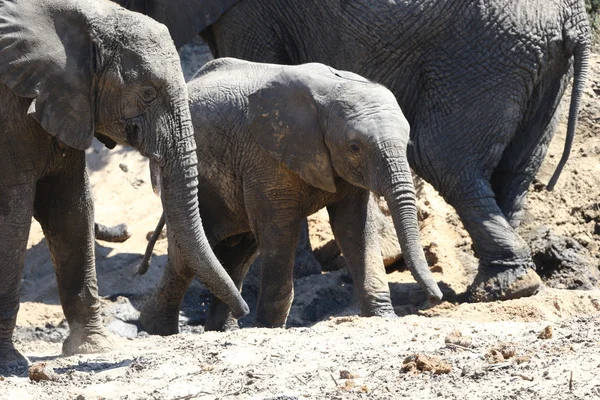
(489, 351)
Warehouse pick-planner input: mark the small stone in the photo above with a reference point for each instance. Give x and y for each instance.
(39, 372)
(546, 333)
(124, 167)
(348, 385)
(344, 374)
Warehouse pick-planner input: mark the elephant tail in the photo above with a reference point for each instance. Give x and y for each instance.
(142, 268)
(581, 54)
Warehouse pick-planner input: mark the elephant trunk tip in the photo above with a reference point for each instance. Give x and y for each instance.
(113, 234)
(431, 288)
(242, 311)
(435, 297)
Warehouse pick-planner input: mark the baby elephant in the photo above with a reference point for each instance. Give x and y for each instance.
(275, 144)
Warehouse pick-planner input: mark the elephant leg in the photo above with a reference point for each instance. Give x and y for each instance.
(354, 226)
(65, 209)
(505, 270)
(525, 153)
(236, 260)
(511, 183)
(305, 262)
(160, 314)
(16, 210)
(457, 154)
(278, 235)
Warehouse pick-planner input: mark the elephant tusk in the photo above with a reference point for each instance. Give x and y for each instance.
(155, 177)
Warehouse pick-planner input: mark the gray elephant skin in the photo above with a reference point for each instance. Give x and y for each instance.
(479, 81)
(275, 144)
(70, 70)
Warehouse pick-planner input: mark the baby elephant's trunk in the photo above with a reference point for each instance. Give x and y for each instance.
(398, 190)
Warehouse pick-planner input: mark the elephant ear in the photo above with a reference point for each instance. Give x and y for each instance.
(283, 117)
(47, 55)
(185, 19)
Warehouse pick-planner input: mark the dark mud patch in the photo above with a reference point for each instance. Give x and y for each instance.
(563, 263)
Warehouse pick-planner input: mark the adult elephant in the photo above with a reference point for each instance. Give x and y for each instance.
(70, 70)
(479, 81)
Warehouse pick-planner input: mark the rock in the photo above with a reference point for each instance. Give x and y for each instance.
(121, 328)
(345, 374)
(39, 372)
(546, 333)
(563, 263)
(124, 167)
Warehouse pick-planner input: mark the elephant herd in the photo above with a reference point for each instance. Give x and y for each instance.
(465, 93)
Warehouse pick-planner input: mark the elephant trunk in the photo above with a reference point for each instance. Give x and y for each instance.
(179, 191)
(397, 187)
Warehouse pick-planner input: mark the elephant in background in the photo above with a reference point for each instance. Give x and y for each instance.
(275, 144)
(480, 83)
(70, 70)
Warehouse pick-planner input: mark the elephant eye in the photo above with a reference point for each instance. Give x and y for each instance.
(355, 147)
(148, 94)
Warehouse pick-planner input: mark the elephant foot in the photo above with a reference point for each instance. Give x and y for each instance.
(12, 362)
(97, 341)
(259, 324)
(381, 310)
(503, 281)
(215, 324)
(156, 321)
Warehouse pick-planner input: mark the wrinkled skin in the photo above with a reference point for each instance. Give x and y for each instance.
(87, 69)
(112, 234)
(479, 82)
(277, 143)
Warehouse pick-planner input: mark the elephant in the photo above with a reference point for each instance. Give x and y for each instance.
(480, 82)
(71, 70)
(276, 143)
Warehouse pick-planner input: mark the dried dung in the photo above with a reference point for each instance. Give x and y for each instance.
(421, 363)
(456, 338)
(500, 353)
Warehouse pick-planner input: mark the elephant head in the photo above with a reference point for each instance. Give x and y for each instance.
(95, 68)
(325, 124)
